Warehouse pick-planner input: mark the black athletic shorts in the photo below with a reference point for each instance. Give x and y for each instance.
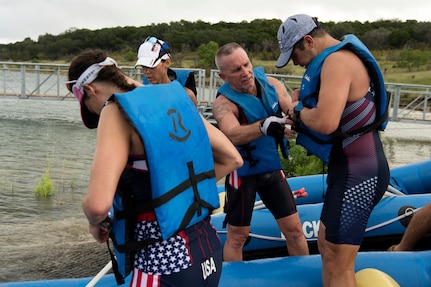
(272, 188)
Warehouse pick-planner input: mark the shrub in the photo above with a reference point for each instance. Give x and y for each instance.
(299, 163)
(44, 188)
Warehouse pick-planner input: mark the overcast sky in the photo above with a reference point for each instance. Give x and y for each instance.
(20, 19)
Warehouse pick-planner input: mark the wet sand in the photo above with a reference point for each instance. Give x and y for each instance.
(62, 249)
(68, 260)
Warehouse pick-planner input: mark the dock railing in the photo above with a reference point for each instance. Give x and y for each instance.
(33, 80)
(408, 102)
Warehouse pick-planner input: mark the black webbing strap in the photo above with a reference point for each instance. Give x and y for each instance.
(118, 277)
(247, 148)
(338, 135)
(138, 208)
(198, 203)
(194, 184)
(181, 187)
(135, 245)
(283, 147)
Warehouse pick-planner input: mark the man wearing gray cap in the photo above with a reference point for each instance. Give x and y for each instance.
(338, 112)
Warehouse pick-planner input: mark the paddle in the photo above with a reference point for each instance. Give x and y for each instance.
(100, 275)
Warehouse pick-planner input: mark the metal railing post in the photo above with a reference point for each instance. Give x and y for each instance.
(4, 78)
(22, 71)
(37, 72)
(396, 103)
(425, 108)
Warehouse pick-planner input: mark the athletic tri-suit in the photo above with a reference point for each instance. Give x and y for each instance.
(358, 176)
(358, 172)
(196, 251)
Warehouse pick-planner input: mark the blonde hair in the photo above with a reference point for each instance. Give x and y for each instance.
(225, 50)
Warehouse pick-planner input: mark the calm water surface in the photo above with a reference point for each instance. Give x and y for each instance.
(39, 136)
(45, 239)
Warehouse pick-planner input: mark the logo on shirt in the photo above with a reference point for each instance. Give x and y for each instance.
(208, 267)
(180, 133)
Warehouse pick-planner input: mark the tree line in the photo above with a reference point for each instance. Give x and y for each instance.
(257, 36)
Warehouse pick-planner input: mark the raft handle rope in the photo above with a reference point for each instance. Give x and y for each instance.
(272, 238)
(408, 213)
(391, 192)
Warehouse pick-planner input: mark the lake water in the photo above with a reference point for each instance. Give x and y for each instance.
(47, 239)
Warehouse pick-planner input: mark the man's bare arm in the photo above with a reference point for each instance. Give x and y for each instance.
(226, 114)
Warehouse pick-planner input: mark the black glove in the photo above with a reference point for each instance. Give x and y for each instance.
(273, 126)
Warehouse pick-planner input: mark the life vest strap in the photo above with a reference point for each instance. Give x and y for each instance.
(141, 207)
(118, 277)
(135, 245)
(248, 148)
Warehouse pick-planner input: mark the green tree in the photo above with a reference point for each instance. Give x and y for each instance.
(206, 53)
(398, 38)
(377, 39)
(410, 59)
(258, 37)
(130, 56)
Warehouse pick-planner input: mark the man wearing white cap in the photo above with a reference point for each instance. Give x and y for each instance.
(154, 58)
(338, 112)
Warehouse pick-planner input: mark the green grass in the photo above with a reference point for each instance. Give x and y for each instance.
(44, 188)
(413, 77)
(391, 74)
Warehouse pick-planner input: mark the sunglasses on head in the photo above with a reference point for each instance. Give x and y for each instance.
(153, 40)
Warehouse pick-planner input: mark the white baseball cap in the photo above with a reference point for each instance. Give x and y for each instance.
(151, 52)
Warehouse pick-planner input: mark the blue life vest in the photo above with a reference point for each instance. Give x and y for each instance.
(180, 75)
(318, 144)
(261, 155)
(180, 163)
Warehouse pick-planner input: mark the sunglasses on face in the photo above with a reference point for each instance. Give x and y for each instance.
(70, 85)
(88, 76)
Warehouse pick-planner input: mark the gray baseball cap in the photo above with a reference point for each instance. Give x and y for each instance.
(290, 32)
